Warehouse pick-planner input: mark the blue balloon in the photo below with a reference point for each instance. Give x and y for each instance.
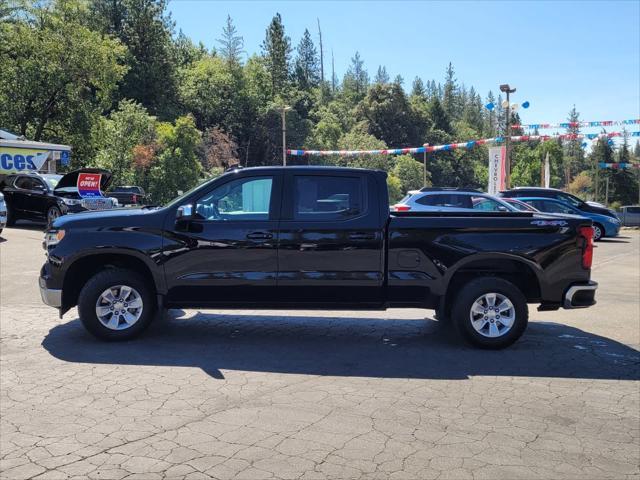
(490, 106)
(610, 142)
(584, 144)
(525, 104)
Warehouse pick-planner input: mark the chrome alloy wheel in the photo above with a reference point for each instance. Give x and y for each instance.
(119, 307)
(52, 214)
(492, 315)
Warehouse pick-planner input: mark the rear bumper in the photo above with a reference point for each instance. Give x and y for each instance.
(50, 296)
(580, 295)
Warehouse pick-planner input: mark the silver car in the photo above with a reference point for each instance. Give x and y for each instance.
(630, 216)
(444, 199)
(3, 212)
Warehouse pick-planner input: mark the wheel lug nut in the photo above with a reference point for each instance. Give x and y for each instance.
(486, 317)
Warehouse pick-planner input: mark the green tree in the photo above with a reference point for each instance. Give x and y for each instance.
(231, 44)
(574, 159)
(117, 136)
(394, 186)
(623, 186)
(381, 76)
(387, 113)
(410, 172)
(356, 80)
(146, 29)
(359, 139)
(417, 89)
(212, 93)
(56, 75)
(450, 100)
(307, 66)
(177, 168)
(276, 49)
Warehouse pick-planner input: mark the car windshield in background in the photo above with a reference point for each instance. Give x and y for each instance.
(52, 180)
(127, 189)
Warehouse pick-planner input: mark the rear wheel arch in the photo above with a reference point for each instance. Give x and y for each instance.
(524, 276)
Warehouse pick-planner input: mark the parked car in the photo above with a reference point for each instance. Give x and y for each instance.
(129, 195)
(439, 199)
(45, 197)
(314, 237)
(3, 212)
(603, 225)
(539, 192)
(519, 205)
(630, 216)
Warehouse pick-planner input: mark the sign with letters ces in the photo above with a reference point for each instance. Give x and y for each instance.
(21, 160)
(89, 185)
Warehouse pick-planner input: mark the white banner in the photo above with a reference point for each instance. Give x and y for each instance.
(497, 156)
(547, 172)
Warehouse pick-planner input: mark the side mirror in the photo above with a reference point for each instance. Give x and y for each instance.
(502, 208)
(184, 212)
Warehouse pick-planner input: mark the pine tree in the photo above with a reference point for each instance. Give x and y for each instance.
(636, 151)
(276, 49)
(382, 76)
(417, 89)
(450, 93)
(356, 80)
(307, 68)
(623, 186)
(321, 53)
(573, 159)
(231, 43)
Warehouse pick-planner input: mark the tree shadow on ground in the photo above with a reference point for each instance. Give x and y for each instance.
(338, 346)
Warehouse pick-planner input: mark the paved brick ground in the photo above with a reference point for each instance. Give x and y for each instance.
(319, 394)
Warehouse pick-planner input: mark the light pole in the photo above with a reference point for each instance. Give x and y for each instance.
(507, 158)
(283, 110)
(424, 166)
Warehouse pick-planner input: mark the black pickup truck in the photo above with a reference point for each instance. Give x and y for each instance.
(314, 237)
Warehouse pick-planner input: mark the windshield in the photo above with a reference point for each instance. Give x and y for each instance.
(570, 199)
(52, 180)
(178, 200)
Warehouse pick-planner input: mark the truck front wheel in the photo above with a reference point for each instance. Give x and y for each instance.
(116, 304)
(490, 312)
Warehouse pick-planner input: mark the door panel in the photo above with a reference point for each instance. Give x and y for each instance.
(330, 246)
(226, 253)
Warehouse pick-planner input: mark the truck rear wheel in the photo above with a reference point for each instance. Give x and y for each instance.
(490, 312)
(116, 304)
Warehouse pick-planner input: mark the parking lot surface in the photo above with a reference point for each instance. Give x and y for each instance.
(298, 394)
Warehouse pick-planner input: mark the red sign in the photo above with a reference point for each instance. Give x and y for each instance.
(89, 184)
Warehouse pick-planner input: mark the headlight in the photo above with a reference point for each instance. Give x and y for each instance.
(71, 201)
(52, 238)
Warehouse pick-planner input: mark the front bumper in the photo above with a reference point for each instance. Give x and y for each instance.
(50, 296)
(580, 295)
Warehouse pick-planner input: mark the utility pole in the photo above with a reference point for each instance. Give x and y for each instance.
(507, 160)
(283, 110)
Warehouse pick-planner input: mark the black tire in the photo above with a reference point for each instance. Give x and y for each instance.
(598, 232)
(104, 280)
(52, 214)
(474, 290)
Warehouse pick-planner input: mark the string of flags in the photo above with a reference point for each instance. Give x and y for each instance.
(460, 146)
(619, 166)
(599, 123)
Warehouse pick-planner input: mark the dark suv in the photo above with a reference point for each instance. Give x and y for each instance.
(565, 197)
(46, 196)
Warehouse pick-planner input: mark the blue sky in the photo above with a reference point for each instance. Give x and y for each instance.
(555, 53)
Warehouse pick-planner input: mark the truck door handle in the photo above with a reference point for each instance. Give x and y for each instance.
(259, 236)
(362, 236)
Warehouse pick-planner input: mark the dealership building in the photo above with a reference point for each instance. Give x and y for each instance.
(19, 155)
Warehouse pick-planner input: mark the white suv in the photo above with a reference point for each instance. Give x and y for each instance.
(450, 199)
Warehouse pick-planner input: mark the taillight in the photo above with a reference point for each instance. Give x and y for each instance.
(587, 248)
(401, 208)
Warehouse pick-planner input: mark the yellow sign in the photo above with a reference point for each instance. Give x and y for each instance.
(13, 160)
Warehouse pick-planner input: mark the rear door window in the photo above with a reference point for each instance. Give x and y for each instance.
(323, 197)
(486, 204)
(447, 200)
